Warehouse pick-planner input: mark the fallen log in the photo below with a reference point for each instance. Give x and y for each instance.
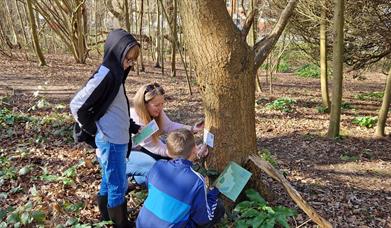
(275, 174)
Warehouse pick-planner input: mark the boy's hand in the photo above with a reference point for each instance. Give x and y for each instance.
(202, 151)
(199, 126)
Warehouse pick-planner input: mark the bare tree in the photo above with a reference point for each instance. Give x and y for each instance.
(140, 62)
(225, 67)
(173, 38)
(323, 60)
(335, 112)
(33, 27)
(384, 108)
(68, 19)
(158, 34)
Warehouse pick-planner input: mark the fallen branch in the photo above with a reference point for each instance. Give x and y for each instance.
(275, 174)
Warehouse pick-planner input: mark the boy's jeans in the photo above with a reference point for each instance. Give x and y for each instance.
(138, 166)
(112, 160)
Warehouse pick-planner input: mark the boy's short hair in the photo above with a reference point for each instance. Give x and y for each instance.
(180, 143)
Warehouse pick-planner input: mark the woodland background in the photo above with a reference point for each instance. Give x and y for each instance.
(331, 142)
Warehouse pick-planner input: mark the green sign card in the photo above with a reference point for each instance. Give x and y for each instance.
(232, 180)
(145, 133)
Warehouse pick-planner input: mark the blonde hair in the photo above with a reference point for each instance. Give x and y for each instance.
(145, 94)
(180, 143)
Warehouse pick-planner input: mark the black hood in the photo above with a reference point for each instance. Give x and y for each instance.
(117, 42)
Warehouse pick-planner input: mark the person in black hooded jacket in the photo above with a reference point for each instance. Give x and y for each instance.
(101, 109)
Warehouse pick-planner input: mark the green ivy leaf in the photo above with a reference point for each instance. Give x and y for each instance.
(38, 216)
(268, 209)
(251, 212)
(255, 196)
(103, 224)
(72, 221)
(241, 224)
(50, 178)
(285, 211)
(25, 218)
(67, 181)
(73, 207)
(70, 172)
(269, 223)
(243, 205)
(25, 170)
(4, 212)
(257, 221)
(13, 218)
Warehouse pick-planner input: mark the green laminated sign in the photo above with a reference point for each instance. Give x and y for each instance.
(232, 180)
(145, 133)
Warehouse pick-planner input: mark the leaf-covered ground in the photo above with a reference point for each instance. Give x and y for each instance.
(45, 177)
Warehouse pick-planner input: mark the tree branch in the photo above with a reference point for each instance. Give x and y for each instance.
(110, 7)
(263, 47)
(248, 23)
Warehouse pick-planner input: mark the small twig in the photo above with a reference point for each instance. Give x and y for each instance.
(304, 223)
(5, 103)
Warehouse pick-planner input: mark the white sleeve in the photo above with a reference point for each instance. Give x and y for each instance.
(158, 148)
(169, 126)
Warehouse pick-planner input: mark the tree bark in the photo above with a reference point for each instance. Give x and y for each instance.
(225, 69)
(225, 74)
(11, 24)
(22, 25)
(68, 19)
(264, 47)
(141, 61)
(382, 118)
(33, 27)
(335, 116)
(174, 39)
(158, 34)
(127, 19)
(323, 61)
(162, 38)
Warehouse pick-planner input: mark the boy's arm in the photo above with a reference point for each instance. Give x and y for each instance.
(203, 209)
(82, 104)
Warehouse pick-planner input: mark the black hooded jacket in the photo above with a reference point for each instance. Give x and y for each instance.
(92, 104)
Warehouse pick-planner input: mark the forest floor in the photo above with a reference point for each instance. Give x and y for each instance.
(347, 180)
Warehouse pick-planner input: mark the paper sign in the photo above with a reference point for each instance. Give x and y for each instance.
(145, 133)
(208, 138)
(232, 180)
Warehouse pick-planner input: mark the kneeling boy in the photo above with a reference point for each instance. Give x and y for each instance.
(177, 195)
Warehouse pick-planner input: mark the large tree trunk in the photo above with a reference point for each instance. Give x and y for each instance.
(384, 108)
(226, 67)
(323, 61)
(224, 64)
(335, 115)
(33, 27)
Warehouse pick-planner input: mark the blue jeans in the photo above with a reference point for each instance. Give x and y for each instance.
(112, 160)
(138, 166)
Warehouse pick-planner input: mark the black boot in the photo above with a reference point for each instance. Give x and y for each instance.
(119, 216)
(102, 204)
